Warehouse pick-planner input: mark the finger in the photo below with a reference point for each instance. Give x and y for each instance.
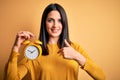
(31, 34)
(66, 43)
(20, 34)
(25, 34)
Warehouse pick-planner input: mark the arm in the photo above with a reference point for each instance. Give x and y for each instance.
(89, 66)
(77, 53)
(13, 70)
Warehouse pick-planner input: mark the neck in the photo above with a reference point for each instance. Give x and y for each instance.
(53, 40)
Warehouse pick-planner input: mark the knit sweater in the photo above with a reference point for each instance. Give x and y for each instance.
(51, 67)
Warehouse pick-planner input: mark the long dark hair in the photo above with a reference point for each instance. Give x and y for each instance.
(44, 37)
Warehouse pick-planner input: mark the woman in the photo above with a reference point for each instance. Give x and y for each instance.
(60, 58)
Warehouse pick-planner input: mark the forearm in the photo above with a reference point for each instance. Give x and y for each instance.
(15, 71)
(90, 67)
(87, 64)
(93, 70)
(11, 68)
(80, 59)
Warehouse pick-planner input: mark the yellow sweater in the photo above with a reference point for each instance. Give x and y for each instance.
(51, 67)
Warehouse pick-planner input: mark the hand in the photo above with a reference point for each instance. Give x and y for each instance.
(70, 53)
(20, 38)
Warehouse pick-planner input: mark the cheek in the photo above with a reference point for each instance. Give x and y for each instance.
(61, 27)
(48, 25)
(48, 29)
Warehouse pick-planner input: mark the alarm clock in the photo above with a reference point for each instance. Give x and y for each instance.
(32, 49)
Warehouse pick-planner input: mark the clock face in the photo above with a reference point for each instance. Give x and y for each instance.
(32, 52)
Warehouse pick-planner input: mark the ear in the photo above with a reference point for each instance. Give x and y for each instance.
(26, 42)
(37, 42)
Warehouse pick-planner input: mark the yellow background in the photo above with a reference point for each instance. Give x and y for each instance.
(95, 24)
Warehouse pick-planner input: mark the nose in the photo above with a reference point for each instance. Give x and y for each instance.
(55, 24)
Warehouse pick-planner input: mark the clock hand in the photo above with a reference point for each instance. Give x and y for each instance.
(33, 51)
(29, 50)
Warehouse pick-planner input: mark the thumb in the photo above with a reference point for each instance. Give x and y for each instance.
(66, 43)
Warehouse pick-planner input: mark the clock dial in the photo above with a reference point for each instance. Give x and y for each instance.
(32, 52)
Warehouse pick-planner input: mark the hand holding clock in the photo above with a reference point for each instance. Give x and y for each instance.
(20, 38)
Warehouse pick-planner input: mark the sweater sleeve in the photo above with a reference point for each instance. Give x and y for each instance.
(90, 67)
(13, 70)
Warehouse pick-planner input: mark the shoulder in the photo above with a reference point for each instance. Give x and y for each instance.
(76, 45)
(79, 48)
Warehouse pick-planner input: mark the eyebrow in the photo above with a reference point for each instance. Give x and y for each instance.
(53, 19)
(49, 18)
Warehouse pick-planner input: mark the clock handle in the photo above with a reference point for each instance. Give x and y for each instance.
(26, 42)
(37, 42)
(33, 40)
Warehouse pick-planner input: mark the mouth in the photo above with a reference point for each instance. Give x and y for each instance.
(54, 30)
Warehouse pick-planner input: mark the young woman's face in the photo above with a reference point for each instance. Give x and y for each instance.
(53, 24)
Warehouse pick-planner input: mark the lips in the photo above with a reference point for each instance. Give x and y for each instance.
(54, 30)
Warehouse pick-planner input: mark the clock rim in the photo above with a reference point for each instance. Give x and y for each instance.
(37, 46)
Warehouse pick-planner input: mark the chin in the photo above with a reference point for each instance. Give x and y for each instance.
(55, 35)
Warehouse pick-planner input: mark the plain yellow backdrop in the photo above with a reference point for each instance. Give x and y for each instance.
(94, 24)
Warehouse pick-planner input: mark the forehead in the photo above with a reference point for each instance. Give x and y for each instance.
(54, 14)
